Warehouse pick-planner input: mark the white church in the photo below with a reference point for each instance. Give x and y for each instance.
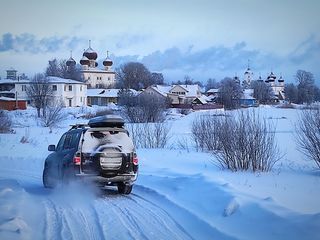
(276, 84)
(93, 76)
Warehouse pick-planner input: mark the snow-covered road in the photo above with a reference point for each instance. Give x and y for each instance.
(85, 212)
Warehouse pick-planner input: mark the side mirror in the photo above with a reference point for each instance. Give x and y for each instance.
(52, 148)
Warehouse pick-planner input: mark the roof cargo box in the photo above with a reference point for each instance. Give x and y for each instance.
(106, 121)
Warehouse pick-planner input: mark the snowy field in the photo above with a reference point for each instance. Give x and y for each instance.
(179, 194)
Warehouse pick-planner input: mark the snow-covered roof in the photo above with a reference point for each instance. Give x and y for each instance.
(203, 99)
(162, 89)
(192, 90)
(63, 80)
(11, 99)
(56, 80)
(13, 81)
(90, 50)
(11, 91)
(213, 90)
(111, 93)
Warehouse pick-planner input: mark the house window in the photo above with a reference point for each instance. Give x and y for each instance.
(80, 99)
(97, 78)
(81, 88)
(109, 78)
(24, 87)
(70, 102)
(70, 87)
(65, 88)
(88, 78)
(54, 87)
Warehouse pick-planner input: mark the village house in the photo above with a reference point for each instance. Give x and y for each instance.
(177, 94)
(72, 93)
(103, 97)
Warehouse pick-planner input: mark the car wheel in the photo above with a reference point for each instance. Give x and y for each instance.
(48, 181)
(124, 188)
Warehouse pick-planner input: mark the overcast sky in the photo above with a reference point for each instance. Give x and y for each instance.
(199, 38)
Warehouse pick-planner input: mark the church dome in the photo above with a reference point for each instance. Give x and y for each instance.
(248, 71)
(84, 60)
(70, 62)
(271, 77)
(107, 62)
(280, 79)
(90, 53)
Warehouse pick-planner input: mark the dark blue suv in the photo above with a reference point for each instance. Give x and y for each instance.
(101, 152)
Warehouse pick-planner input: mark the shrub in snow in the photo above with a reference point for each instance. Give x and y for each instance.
(149, 135)
(242, 142)
(308, 134)
(53, 114)
(205, 130)
(5, 122)
(143, 108)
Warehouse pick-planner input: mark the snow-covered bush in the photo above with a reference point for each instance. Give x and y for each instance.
(5, 122)
(308, 134)
(143, 108)
(53, 114)
(241, 142)
(149, 135)
(205, 130)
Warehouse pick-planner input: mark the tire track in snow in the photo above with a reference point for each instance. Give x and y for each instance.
(138, 219)
(53, 223)
(70, 223)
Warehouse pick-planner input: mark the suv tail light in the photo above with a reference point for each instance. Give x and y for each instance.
(135, 160)
(77, 159)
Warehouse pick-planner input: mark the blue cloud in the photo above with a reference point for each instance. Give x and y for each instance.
(221, 61)
(307, 50)
(27, 42)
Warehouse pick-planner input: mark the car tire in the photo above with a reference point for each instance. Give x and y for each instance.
(48, 181)
(124, 188)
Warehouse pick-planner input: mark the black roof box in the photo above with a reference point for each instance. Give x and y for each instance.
(106, 121)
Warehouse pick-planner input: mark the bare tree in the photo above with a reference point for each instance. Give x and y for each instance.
(39, 92)
(157, 78)
(5, 122)
(133, 75)
(291, 92)
(54, 114)
(241, 142)
(306, 86)
(308, 134)
(211, 83)
(261, 91)
(149, 135)
(53, 69)
(58, 68)
(142, 108)
(230, 93)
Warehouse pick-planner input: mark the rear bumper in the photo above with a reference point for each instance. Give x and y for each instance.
(127, 178)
